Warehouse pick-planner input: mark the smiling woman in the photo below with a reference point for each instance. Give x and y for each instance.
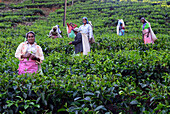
(30, 55)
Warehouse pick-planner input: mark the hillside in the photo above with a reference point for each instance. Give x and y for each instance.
(121, 74)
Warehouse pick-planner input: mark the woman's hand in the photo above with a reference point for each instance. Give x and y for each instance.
(33, 57)
(70, 43)
(27, 55)
(90, 39)
(148, 35)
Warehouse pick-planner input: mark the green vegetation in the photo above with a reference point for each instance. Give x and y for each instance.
(121, 74)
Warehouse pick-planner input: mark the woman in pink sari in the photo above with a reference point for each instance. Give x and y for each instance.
(30, 55)
(146, 32)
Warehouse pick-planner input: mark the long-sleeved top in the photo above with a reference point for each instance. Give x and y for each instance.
(25, 47)
(71, 27)
(87, 29)
(78, 43)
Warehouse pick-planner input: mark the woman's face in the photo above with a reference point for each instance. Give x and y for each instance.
(142, 21)
(54, 29)
(84, 21)
(31, 38)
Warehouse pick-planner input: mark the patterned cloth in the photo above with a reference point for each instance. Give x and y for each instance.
(147, 39)
(25, 47)
(29, 66)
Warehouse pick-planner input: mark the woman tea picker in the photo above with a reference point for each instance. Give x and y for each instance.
(30, 55)
(87, 35)
(147, 34)
(120, 27)
(55, 32)
(70, 30)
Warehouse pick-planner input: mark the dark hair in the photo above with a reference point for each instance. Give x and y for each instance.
(29, 33)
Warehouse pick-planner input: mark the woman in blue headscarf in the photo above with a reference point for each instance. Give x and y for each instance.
(87, 35)
(86, 28)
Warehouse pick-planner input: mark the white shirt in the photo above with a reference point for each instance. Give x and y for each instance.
(31, 49)
(87, 29)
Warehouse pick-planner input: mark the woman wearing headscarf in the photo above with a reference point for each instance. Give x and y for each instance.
(70, 28)
(55, 32)
(87, 34)
(147, 34)
(30, 55)
(121, 27)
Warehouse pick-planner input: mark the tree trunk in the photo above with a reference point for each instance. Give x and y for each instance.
(32, 1)
(72, 2)
(64, 19)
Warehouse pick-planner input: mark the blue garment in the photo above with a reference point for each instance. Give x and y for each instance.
(122, 32)
(59, 31)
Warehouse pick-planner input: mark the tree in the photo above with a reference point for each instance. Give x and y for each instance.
(32, 1)
(72, 2)
(64, 19)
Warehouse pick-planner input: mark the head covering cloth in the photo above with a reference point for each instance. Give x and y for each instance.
(86, 19)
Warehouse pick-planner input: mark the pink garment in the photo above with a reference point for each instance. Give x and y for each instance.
(148, 39)
(54, 36)
(27, 66)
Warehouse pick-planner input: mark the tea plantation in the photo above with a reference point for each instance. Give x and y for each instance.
(121, 74)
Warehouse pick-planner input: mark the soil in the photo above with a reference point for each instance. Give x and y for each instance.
(46, 11)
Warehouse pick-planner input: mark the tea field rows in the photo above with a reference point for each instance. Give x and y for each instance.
(121, 74)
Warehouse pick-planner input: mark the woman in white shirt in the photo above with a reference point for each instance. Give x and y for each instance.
(86, 28)
(87, 34)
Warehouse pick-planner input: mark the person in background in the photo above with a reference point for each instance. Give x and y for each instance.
(30, 55)
(147, 34)
(121, 30)
(120, 27)
(54, 32)
(87, 34)
(70, 28)
(77, 42)
(59, 31)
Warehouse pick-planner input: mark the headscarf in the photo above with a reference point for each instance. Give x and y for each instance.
(86, 19)
(90, 23)
(142, 18)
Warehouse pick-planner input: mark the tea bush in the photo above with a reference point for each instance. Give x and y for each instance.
(120, 75)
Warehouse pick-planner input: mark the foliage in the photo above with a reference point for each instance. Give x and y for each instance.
(121, 74)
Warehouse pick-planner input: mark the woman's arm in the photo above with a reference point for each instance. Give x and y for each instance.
(39, 53)
(79, 39)
(18, 53)
(68, 25)
(74, 25)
